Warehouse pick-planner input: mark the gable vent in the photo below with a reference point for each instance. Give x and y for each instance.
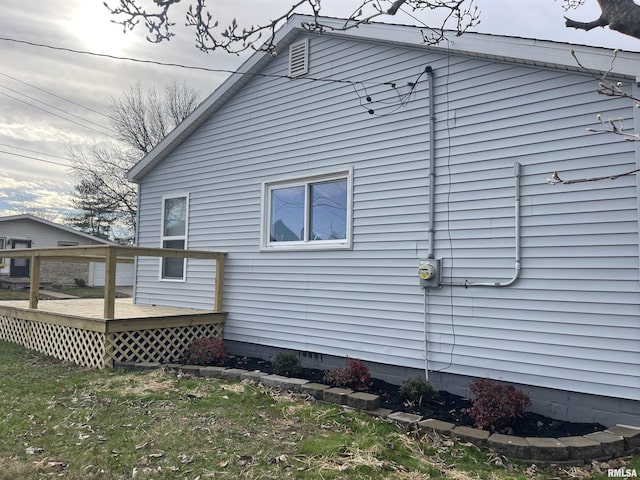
(299, 58)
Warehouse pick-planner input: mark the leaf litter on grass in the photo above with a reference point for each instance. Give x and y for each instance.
(85, 424)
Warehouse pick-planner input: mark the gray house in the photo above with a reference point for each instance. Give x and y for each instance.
(30, 231)
(384, 199)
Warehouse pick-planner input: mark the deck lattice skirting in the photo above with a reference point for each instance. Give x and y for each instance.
(82, 347)
(78, 336)
(100, 343)
(167, 344)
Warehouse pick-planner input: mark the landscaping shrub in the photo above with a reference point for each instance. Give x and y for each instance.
(206, 351)
(354, 375)
(416, 390)
(286, 363)
(496, 406)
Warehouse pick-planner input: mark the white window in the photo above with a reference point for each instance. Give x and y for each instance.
(174, 235)
(308, 213)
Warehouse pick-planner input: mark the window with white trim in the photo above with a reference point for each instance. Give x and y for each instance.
(174, 235)
(312, 212)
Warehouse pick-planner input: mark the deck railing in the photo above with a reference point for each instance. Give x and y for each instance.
(100, 342)
(111, 255)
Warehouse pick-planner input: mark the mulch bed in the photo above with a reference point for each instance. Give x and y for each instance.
(443, 406)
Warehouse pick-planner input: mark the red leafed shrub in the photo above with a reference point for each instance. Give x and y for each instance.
(495, 405)
(206, 351)
(354, 375)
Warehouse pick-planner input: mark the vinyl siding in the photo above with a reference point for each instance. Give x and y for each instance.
(571, 321)
(41, 235)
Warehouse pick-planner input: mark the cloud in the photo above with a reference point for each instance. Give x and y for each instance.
(33, 196)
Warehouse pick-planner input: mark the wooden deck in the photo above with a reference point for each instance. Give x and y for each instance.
(91, 308)
(74, 330)
(98, 332)
(111, 255)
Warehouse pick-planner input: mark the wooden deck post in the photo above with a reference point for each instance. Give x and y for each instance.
(219, 289)
(110, 283)
(34, 281)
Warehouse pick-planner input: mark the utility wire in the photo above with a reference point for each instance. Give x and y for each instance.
(54, 95)
(34, 158)
(178, 65)
(56, 115)
(32, 151)
(54, 107)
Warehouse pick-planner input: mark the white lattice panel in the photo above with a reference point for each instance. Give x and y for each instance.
(82, 347)
(98, 350)
(158, 344)
(14, 330)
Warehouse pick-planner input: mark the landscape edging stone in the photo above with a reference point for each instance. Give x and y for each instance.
(576, 450)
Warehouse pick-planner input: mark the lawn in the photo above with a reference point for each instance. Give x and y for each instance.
(63, 421)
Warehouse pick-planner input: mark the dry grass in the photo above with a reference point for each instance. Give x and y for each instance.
(61, 421)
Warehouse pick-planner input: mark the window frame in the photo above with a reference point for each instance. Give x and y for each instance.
(164, 238)
(3, 245)
(306, 244)
(64, 243)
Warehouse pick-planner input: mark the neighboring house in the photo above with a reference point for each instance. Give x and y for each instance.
(330, 179)
(29, 231)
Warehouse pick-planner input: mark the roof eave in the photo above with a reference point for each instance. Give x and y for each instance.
(543, 53)
(27, 216)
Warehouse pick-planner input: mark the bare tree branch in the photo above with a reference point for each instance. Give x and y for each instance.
(210, 35)
(609, 88)
(620, 15)
(103, 196)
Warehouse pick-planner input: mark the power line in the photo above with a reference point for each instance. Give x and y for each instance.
(55, 95)
(34, 158)
(33, 151)
(178, 65)
(55, 114)
(53, 106)
(355, 84)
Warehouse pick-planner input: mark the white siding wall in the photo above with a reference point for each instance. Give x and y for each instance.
(124, 274)
(572, 320)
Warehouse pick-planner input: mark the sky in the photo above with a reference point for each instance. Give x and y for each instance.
(53, 100)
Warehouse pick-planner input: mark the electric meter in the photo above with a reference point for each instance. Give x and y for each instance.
(426, 271)
(430, 273)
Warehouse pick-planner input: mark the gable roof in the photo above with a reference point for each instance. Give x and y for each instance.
(48, 223)
(542, 53)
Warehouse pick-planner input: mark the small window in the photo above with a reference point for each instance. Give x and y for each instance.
(3, 243)
(68, 244)
(174, 235)
(313, 213)
(299, 58)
